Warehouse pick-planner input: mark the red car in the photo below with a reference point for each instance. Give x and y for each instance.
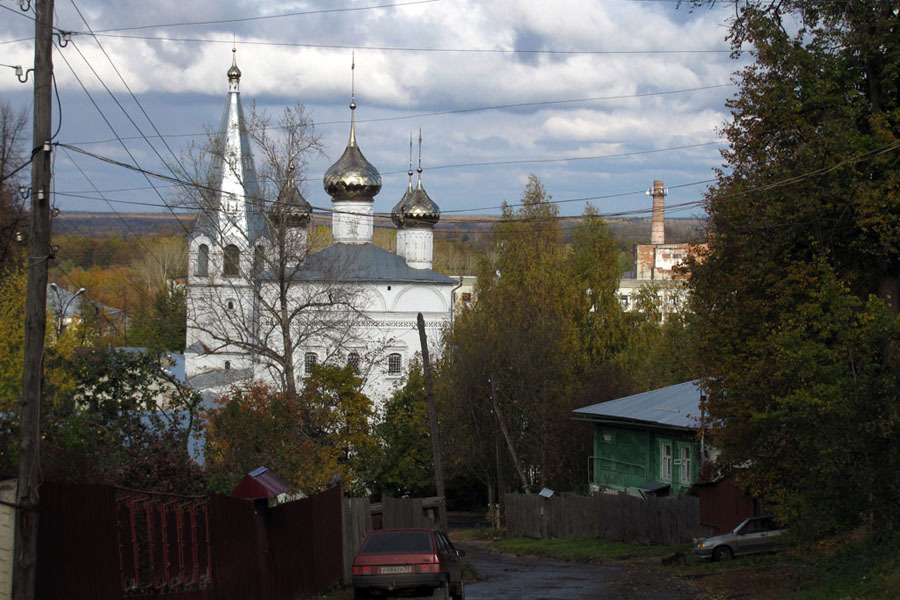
(408, 562)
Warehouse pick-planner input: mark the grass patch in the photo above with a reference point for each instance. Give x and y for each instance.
(483, 534)
(847, 568)
(582, 548)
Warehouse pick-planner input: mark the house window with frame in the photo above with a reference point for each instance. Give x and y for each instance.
(310, 359)
(686, 465)
(202, 261)
(353, 360)
(232, 263)
(395, 363)
(665, 461)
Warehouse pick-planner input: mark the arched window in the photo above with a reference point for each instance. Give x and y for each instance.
(353, 360)
(395, 363)
(232, 264)
(202, 261)
(309, 361)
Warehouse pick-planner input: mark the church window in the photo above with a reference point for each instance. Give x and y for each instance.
(232, 261)
(202, 261)
(395, 363)
(227, 365)
(230, 305)
(309, 361)
(353, 360)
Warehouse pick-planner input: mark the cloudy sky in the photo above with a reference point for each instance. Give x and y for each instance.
(598, 98)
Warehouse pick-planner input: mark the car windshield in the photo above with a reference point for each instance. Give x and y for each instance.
(398, 541)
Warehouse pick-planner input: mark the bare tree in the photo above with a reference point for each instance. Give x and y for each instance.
(13, 136)
(258, 295)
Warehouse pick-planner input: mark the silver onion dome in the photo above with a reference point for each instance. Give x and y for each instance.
(292, 209)
(234, 74)
(397, 211)
(420, 210)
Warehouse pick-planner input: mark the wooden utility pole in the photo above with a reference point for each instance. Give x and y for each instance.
(27, 498)
(432, 413)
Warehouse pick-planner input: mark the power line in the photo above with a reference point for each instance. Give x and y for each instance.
(488, 163)
(471, 110)
(133, 97)
(417, 49)
(108, 123)
(268, 17)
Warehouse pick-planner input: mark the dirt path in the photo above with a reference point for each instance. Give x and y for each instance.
(507, 577)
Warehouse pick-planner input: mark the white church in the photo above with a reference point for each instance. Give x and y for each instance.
(255, 289)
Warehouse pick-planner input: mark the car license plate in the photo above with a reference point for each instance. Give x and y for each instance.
(392, 570)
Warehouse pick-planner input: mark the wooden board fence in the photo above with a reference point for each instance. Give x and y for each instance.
(620, 517)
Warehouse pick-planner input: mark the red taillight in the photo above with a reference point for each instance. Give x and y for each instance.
(433, 566)
(362, 570)
(428, 568)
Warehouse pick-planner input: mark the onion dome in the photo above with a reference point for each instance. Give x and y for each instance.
(397, 211)
(352, 177)
(292, 209)
(420, 210)
(234, 74)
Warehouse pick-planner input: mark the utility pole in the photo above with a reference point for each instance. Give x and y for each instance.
(27, 498)
(432, 413)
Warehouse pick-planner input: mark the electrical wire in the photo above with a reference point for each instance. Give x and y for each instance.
(414, 49)
(108, 123)
(468, 110)
(268, 17)
(136, 101)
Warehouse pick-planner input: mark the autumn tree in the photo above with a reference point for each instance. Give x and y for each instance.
(305, 439)
(514, 359)
(796, 299)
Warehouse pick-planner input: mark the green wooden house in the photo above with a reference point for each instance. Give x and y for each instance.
(646, 443)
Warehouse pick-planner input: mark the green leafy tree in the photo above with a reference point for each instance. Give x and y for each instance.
(512, 360)
(402, 464)
(796, 299)
(128, 424)
(160, 323)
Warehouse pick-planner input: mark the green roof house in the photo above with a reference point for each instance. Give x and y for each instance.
(646, 443)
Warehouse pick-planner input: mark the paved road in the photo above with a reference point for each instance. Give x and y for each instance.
(525, 578)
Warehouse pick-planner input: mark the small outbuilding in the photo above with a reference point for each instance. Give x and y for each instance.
(260, 483)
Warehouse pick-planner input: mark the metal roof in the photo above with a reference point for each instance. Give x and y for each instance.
(675, 406)
(367, 263)
(259, 483)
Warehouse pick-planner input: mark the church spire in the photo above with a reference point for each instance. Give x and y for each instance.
(235, 213)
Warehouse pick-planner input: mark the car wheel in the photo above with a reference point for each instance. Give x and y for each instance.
(360, 594)
(723, 553)
(442, 593)
(460, 591)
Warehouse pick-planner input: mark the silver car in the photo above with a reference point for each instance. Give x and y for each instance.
(752, 536)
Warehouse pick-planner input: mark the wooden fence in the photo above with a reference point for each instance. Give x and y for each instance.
(620, 517)
(103, 542)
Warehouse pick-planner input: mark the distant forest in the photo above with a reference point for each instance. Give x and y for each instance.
(458, 228)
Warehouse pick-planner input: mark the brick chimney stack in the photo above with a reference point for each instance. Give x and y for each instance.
(658, 231)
